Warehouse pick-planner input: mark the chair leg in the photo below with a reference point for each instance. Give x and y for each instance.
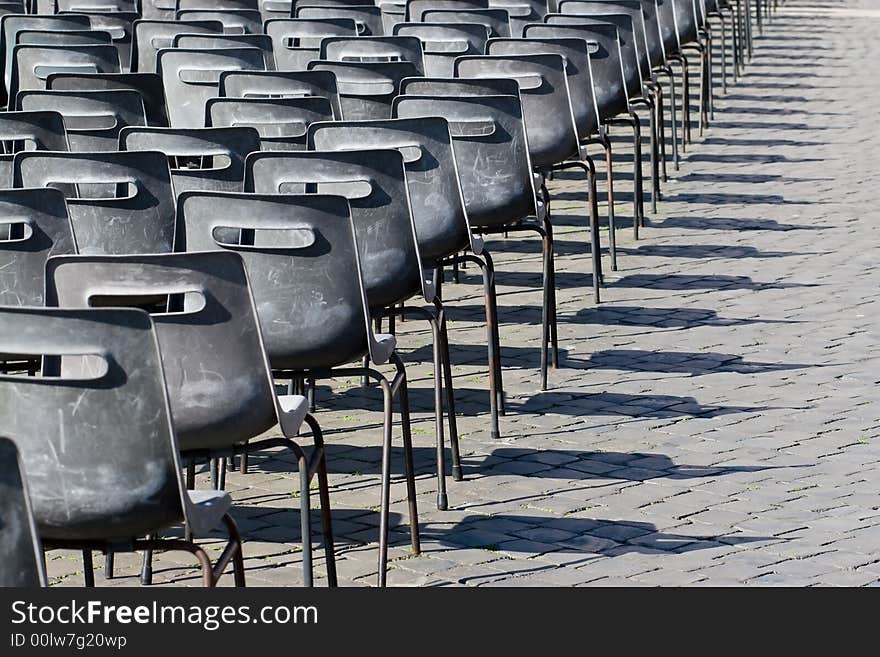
(109, 562)
(324, 496)
(655, 160)
(147, 565)
(411, 492)
(589, 170)
(442, 499)
(305, 516)
(385, 495)
(661, 129)
(675, 141)
(88, 569)
(609, 183)
(450, 391)
(237, 555)
(496, 393)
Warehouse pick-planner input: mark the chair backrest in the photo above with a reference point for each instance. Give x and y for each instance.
(606, 59)
(95, 429)
(215, 366)
(543, 90)
(656, 48)
(235, 21)
(297, 41)
(35, 226)
(456, 87)
(666, 22)
(366, 89)
(282, 123)
(272, 10)
(82, 6)
(303, 269)
(222, 5)
(120, 26)
(415, 9)
(11, 24)
(497, 21)
(443, 42)
(163, 10)
(191, 77)
(435, 194)
(202, 41)
(132, 207)
(148, 85)
(93, 118)
(42, 131)
(393, 13)
(151, 36)
(687, 21)
(33, 64)
(491, 152)
(633, 8)
(367, 19)
(521, 12)
(577, 68)
(68, 38)
(282, 84)
(374, 49)
(374, 182)
(629, 51)
(210, 159)
(20, 550)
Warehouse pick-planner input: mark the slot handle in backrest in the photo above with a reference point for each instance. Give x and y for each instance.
(472, 128)
(353, 189)
(365, 87)
(445, 46)
(43, 71)
(203, 76)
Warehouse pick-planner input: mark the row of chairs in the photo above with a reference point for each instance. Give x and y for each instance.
(156, 284)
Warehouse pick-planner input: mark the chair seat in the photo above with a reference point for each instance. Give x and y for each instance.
(205, 509)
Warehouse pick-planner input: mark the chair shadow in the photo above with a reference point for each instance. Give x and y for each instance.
(705, 251)
(724, 223)
(679, 362)
(697, 282)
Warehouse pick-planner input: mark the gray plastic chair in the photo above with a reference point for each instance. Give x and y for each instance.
(192, 76)
(93, 118)
(282, 84)
(367, 19)
(367, 89)
(303, 251)
(148, 85)
(34, 226)
(20, 550)
(220, 388)
(553, 145)
(11, 24)
(297, 41)
(374, 49)
(31, 65)
(151, 36)
(210, 159)
(521, 13)
(42, 131)
(202, 41)
(442, 228)
(105, 482)
(134, 210)
(282, 123)
(120, 26)
(489, 128)
(443, 42)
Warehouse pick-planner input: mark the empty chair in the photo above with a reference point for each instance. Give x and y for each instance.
(665, 21)
(367, 19)
(374, 49)
(497, 21)
(191, 77)
(235, 21)
(303, 253)
(207, 334)
(553, 145)
(93, 118)
(521, 12)
(151, 36)
(367, 89)
(282, 123)
(441, 224)
(35, 226)
(148, 85)
(42, 131)
(691, 37)
(12, 24)
(199, 158)
(31, 65)
(120, 26)
(609, 83)
(498, 198)
(119, 203)
(443, 42)
(96, 439)
(201, 41)
(20, 550)
(282, 84)
(393, 13)
(297, 41)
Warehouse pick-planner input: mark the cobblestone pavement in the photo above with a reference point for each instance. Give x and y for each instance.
(714, 421)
